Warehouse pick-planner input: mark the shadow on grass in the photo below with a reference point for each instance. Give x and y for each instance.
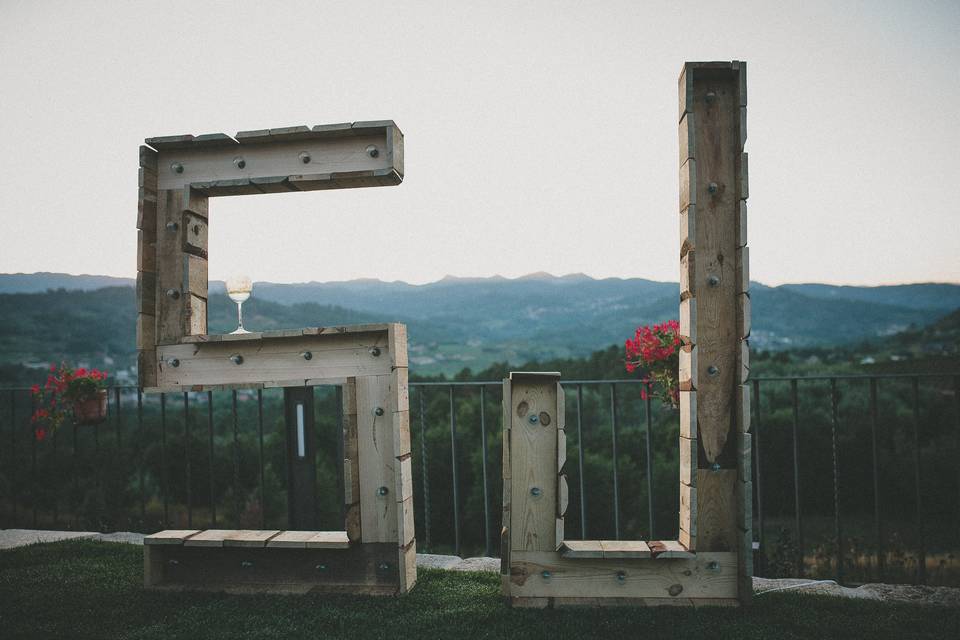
(84, 589)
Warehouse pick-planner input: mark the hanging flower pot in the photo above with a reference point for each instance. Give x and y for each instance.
(91, 410)
(80, 391)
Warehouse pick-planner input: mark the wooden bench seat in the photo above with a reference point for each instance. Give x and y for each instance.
(248, 561)
(624, 549)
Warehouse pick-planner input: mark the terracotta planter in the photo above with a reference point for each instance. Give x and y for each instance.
(92, 410)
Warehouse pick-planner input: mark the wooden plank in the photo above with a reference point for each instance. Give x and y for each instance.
(196, 234)
(563, 495)
(688, 230)
(743, 362)
(549, 574)
(742, 225)
(561, 413)
(147, 292)
(717, 141)
(405, 522)
(743, 269)
(533, 452)
(278, 359)
(744, 180)
(290, 540)
(170, 536)
(248, 538)
(688, 414)
(147, 211)
(146, 251)
(194, 276)
(689, 370)
(745, 457)
(506, 474)
(688, 461)
(146, 332)
(625, 549)
(397, 343)
(582, 549)
(408, 566)
(716, 510)
(688, 142)
(744, 494)
(743, 314)
(147, 368)
(195, 314)
(351, 462)
(688, 265)
(328, 540)
(745, 568)
(209, 538)
(378, 506)
(688, 182)
(561, 449)
(688, 512)
(667, 549)
(148, 158)
(688, 321)
(743, 413)
(169, 292)
(271, 156)
(404, 484)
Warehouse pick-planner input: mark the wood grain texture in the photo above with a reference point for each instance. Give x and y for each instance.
(209, 538)
(688, 414)
(170, 298)
(408, 566)
(716, 510)
(688, 321)
(351, 462)
(248, 538)
(743, 412)
(688, 230)
(533, 453)
(688, 461)
(667, 549)
(170, 536)
(328, 540)
(378, 511)
(709, 575)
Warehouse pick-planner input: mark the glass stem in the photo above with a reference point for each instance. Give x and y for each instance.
(240, 315)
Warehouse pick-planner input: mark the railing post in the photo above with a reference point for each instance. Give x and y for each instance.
(616, 486)
(13, 453)
(426, 475)
(649, 455)
(186, 452)
(213, 497)
(921, 551)
(796, 477)
(838, 531)
(483, 454)
(583, 493)
(163, 458)
(878, 532)
(456, 478)
(140, 459)
(33, 465)
(237, 506)
(263, 504)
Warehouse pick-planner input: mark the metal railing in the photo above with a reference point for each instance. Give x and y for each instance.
(789, 428)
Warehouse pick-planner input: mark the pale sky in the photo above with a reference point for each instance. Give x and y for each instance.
(540, 136)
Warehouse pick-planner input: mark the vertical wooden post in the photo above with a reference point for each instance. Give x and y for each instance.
(715, 313)
(147, 268)
(351, 461)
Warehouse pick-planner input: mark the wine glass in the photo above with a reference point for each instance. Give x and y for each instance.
(239, 288)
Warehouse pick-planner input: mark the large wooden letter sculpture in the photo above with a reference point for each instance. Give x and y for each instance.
(711, 562)
(376, 551)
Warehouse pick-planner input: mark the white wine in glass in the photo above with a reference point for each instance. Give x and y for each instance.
(239, 289)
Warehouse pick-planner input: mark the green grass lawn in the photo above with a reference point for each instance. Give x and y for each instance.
(93, 590)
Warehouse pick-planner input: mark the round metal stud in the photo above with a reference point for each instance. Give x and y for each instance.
(536, 492)
(713, 565)
(712, 187)
(372, 151)
(246, 564)
(375, 352)
(173, 294)
(378, 411)
(305, 157)
(239, 162)
(383, 566)
(715, 466)
(172, 226)
(621, 576)
(710, 97)
(533, 419)
(173, 563)
(713, 280)
(176, 167)
(713, 371)
(321, 567)
(173, 362)
(546, 575)
(307, 355)
(236, 359)
(382, 491)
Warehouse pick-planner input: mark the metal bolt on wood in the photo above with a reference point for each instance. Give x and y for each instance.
(712, 187)
(536, 492)
(375, 352)
(378, 411)
(176, 167)
(304, 157)
(372, 151)
(236, 359)
(713, 370)
(307, 355)
(382, 491)
(239, 162)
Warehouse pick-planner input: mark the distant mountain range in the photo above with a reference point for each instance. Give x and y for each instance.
(459, 322)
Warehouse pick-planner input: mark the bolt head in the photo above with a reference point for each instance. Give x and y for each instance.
(172, 226)
(375, 352)
(533, 419)
(173, 293)
(546, 575)
(307, 355)
(237, 359)
(621, 576)
(321, 567)
(304, 157)
(713, 280)
(536, 492)
(712, 187)
(176, 167)
(239, 162)
(173, 362)
(383, 566)
(378, 411)
(713, 371)
(372, 151)
(715, 466)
